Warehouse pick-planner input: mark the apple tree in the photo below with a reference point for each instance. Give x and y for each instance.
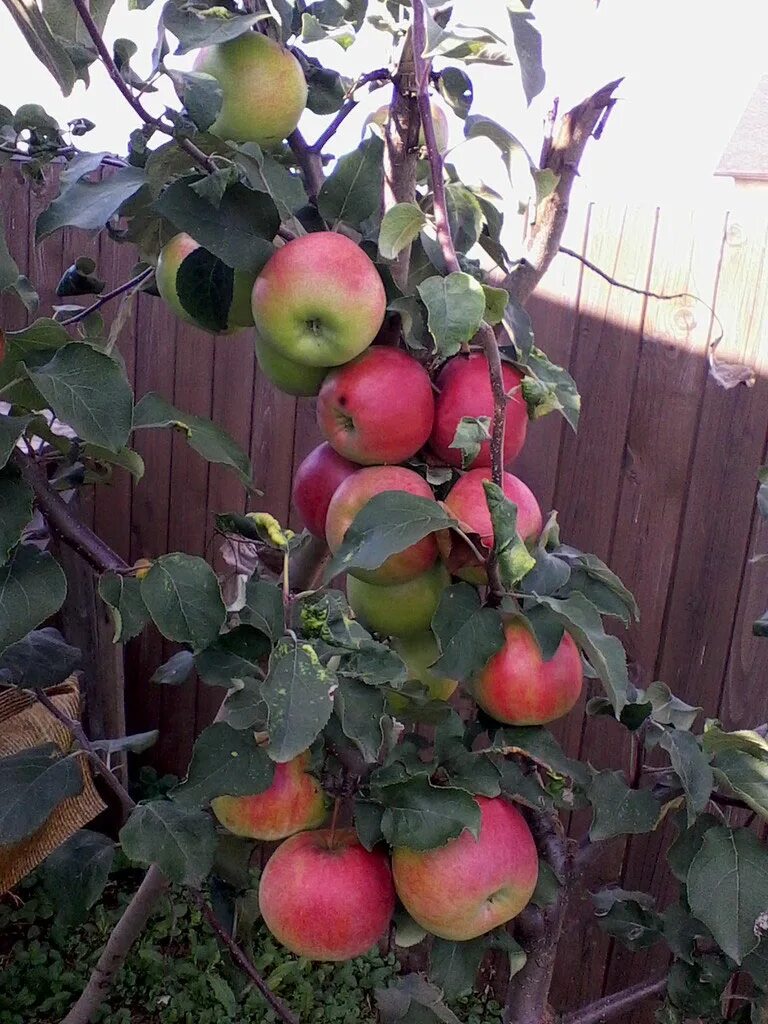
(388, 677)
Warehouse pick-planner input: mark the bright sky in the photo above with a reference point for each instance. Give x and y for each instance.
(689, 67)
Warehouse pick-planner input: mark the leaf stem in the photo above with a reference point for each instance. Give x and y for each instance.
(126, 286)
(334, 819)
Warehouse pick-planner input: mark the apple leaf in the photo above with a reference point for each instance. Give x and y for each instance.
(41, 658)
(201, 95)
(234, 655)
(298, 694)
(716, 740)
(468, 634)
(471, 433)
(539, 745)
(465, 218)
(496, 300)
(666, 709)
(15, 510)
(182, 595)
(745, 776)
(599, 584)
(455, 86)
(420, 816)
(512, 556)
(517, 162)
(688, 842)
(550, 388)
(691, 765)
(628, 916)
(522, 787)
(352, 192)
(388, 523)
(204, 286)
(470, 43)
(32, 589)
(455, 965)
(123, 595)
(527, 40)
(180, 841)
(399, 226)
(11, 429)
(619, 810)
(32, 783)
(265, 174)
(244, 705)
(75, 875)
(88, 390)
(47, 47)
(727, 888)
(175, 671)
(455, 308)
(263, 608)
(225, 762)
(218, 26)
(411, 998)
(89, 204)
(360, 710)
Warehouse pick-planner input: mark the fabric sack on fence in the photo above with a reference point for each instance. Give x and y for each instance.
(25, 724)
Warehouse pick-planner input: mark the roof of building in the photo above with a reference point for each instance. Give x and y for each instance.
(746, 155)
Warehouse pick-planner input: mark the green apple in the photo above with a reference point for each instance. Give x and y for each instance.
(288, 376)
(264, 89)
(419, 651)
(170, 259)
(401, 609)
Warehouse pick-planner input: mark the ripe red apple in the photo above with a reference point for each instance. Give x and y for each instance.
(315, 483)
(518, 687)
(263, 86)
(400, 609)
(325, 897)
(356, 491)
(466, 501)
(378, 408)
(288, 376)
(470, 886)
(465, 390)
(170, 259)
(319, 300)
(293, 802)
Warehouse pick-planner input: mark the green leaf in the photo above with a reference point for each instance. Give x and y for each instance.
(15, 510)
(388, 523)
(540, 746)
(522, 787)
(205, 285)
(605, 653)
(421, 816)
(455, 307)
(688, 843)
(728, 888)
(195, 28)
(598, 573)
(263, 608)
(628, 916)
(399, 226)
(75, 875)
(455, 965)
(88, 390)
(41, 658)
(123, 595)
(360, 710)
(517, 321)
(326, 88)
(670, 710)
(265, 174)
(10, 278)
(181, 842)
(43, 43)
(208, 440)
(175, 671)
(496, 300)
(517, 162)
(467, 633)
(619, 810)
(32, 783)
(125, 458)
(201, 95)
(547, 890)
(527, 40)
(513, 558)
(239, 231)
(470, 43)
(182, 595)
(455, 86)
(470, 434)
(244, 706)
(297, 692)
(680, 930)
(745, 777)
(465, 217)
(225, 762)
(32, 588)
(411, 999)
(692, 767)
(471, 771)
(716, 740)
(224, 994)
(352, 192)
(550, 388)
(368, 817)
(89, 204)
(234, 655)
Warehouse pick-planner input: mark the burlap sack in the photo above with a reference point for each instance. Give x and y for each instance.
(25, 723)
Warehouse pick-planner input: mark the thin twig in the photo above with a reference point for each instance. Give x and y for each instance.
(310, 164)
(114, 73)
(380, 76)
(606, 1009)
(107, 296)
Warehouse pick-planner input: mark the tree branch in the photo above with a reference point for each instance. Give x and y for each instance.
(380, 76)
(614, 1006)
(310, 163)
(114, 73)
(107, 296)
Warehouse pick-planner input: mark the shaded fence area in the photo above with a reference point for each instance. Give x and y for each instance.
(659, 482)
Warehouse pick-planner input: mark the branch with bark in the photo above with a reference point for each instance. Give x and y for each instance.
(374, 78)
(603, 1010)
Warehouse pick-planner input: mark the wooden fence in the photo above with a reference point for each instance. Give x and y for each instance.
(659, 482)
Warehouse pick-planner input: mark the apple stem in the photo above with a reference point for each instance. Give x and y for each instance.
(334, 818)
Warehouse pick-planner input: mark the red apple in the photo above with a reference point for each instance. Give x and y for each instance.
(325, 897)
(378, 408)
(315, 483)
(465, 390)
(518, 687)
(470, 886)
(293, 802)
(466, 501)
(400, 609)
(356, 491)
(319, 300)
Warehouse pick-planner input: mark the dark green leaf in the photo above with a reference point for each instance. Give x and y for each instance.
(368, 817)
(619, 810)
(668, 709)
(352, 192)
(470, 43)
(471, 771)
(468, 634)
(49, 50)
(201, 95)
(235, 655)
(15, 510)
(41, 658)
(517, 321)
(75, 874)
(523, 787)
(411, 999)
(123, 595)
(540, 746)
(32, 588)
(263, 608)
(32, 783)
(547, 889)
(681, 930)
(182, 595)
(692, 767)
(527, 40)
(205, 286)
(455, 965)
(181, 842)
(208, 440)
(549, 388)
(421, 816)
(326, 88)
(297, 692)
(470, 434)
(265, 174)
(88, 390)
(628, 916)
(455, 86)
(225, 762)
(399, 226)
(745, 777)
(465, 217)
(513, 558)
(455, 308)
(375, 665)
(245, 707)
(195, 29)
(90, 204)
(360, 709)
(716, 740)
(687, 844)
(496, 300)
(599, 573)
(728, 888)
(176, 670)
